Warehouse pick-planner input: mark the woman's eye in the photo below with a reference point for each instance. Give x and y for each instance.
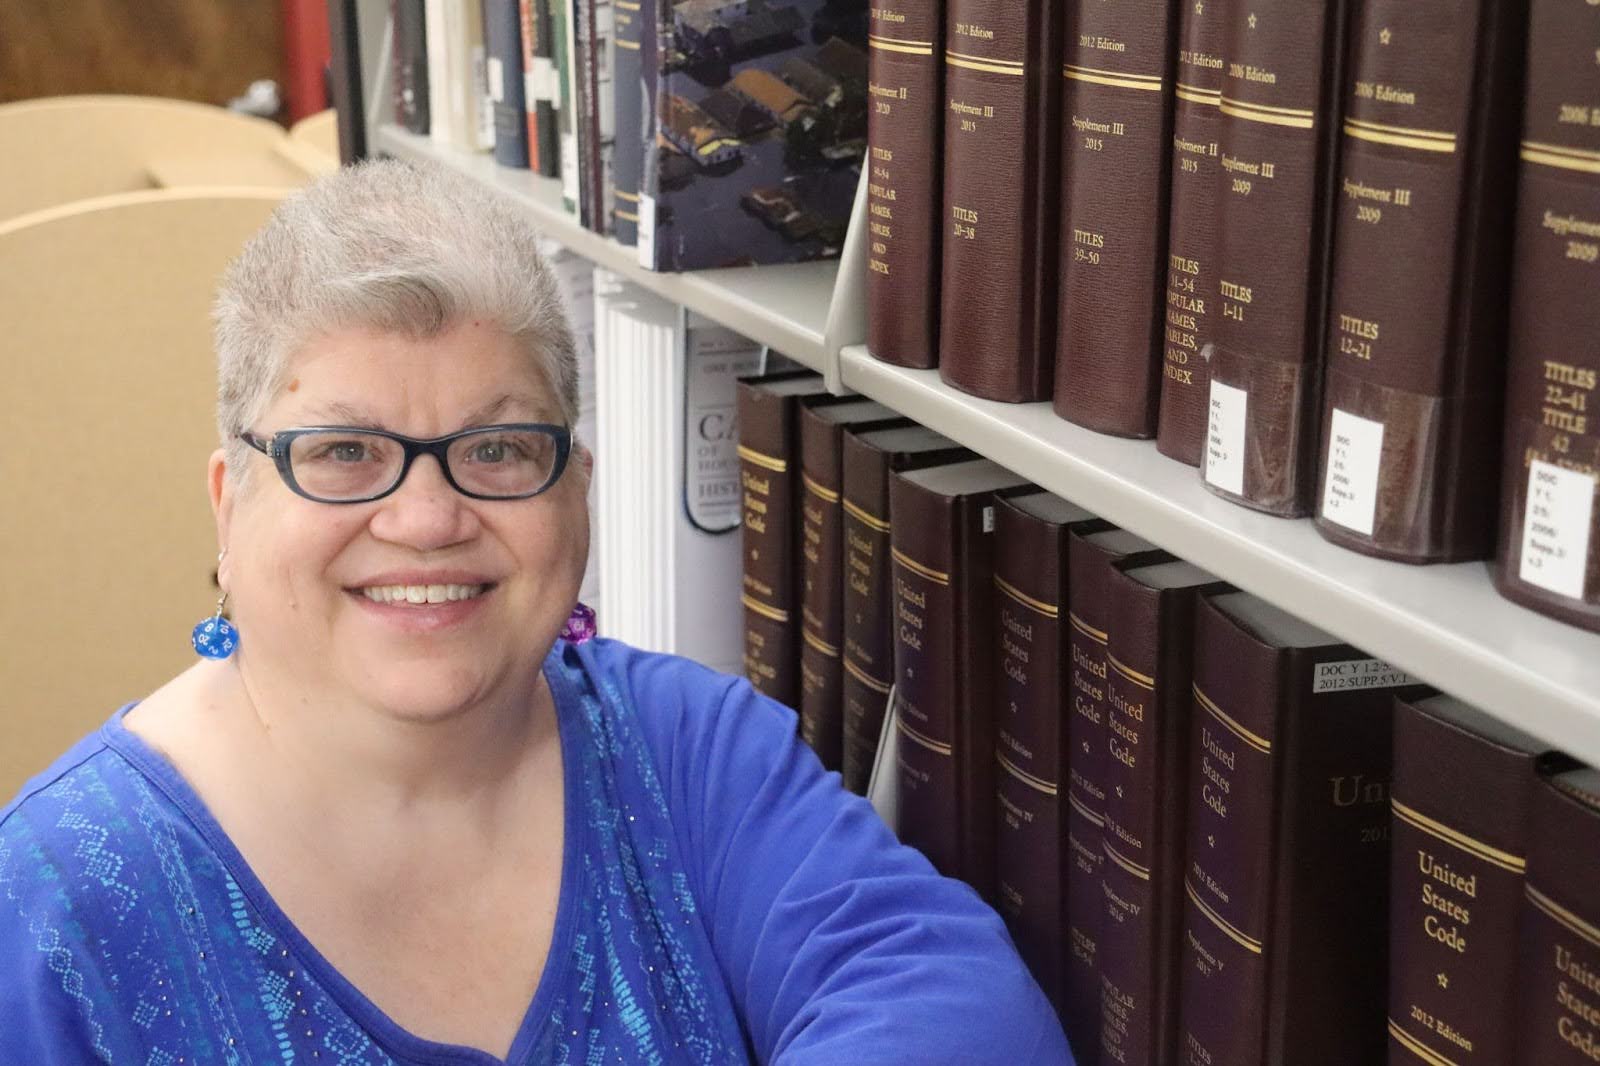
(348, 452)
(490, 451)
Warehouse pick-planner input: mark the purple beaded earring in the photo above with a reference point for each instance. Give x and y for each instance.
(580, 624)
(216, 637)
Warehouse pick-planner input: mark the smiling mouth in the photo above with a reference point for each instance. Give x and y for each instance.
(422, 595)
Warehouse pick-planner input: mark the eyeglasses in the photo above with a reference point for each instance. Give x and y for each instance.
(338, 464)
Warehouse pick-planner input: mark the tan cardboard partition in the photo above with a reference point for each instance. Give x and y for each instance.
(107, 394)
(320, 133)
(65, 148)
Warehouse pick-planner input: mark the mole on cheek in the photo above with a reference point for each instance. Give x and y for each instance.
(294, 385)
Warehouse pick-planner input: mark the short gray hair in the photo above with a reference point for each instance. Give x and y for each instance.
(389, 246)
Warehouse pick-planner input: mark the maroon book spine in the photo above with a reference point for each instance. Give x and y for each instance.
(905, 120)
(1192, 237)
(1549, 555)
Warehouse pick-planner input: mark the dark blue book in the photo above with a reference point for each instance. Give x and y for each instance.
(632, 126)
(502, 39)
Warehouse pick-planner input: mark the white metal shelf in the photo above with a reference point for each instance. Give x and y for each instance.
(1443, 624)
(785, 307)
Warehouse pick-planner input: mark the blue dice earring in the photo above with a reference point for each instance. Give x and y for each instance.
(216, 637)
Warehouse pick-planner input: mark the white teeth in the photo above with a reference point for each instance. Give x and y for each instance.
(421, 594)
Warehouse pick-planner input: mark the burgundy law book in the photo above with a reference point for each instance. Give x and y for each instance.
(905, 122)
(1286, 867)
(1030, 579)
(1549, 554)
(942, 549)
(868, 460)
(1463, 785)
(822, 430)
(1151, 660)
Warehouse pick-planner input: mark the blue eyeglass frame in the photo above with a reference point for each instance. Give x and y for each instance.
(277, 446)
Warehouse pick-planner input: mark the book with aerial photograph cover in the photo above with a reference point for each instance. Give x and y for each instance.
(760, 126)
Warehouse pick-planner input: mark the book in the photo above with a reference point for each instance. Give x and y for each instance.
(905, 129)
(867, 460)
(634, 25)
(541, 91)
(1192, 231)
(1091, 555)
(997, 286)
(502, 34)
(1287, 855)
(822, 429)
(1116, 121)
(1150, 655)
(1558, 972)
(667, 384)
(1547, 557)
(1463, 784)
(1415, 360)
(410, 65)
(587, 47)
(762, 118)
(941, 549)
(604, 64)
(563, 15)
(1279, 159)
(769, 469)
(1031, 535)
(459, 113)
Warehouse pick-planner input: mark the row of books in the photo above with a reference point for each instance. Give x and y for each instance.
(705, 132)
(1326, 250)
(1218, 834)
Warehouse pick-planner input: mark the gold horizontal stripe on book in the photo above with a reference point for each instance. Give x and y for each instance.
(985, 59)
(1260, 743)
(1098, 820)
(1250, 944)
(1476, 848)
(1569, 921)
(631, 197)
(762, 609)
(1123, 861)
(830, 650)
(1416, 1047)
(1115, 79)
(628, 5)
(1409, 131)
(1274, 116)
(822, 492)
(865, 517)
(1049, 610)
(917, 568)
(632, 46)
(1553, 155)
(1142, 680)
(627, 216)
(991, 66)
(1038, 784)
(769, 462)
(1099, 636)
(881, 687)
(917, 738)
(910, 48)
(1196, 95)
(1421, 144)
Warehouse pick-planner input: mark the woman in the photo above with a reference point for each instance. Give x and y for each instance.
(402, 820)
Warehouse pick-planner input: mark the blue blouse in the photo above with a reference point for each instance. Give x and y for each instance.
(722, 901)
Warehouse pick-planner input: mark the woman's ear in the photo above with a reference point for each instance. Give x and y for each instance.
(221, 490)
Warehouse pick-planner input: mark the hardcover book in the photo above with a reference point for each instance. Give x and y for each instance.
(1281, 91)
(541, 90)
(1151, 663)
(1416, 343)
(868, 460)
(769, 475)
(634, 25)
(502, 33)
(1549, 554)
(1192, 237)
(1558, 973)
(761, 107)
(998, 318)
(822, 429)
(410, 65)
(1030, 579)
(1463, 783)
(1116, 121)
(942, 549)
(1091, 555)
(905, 129)
(1287, 858)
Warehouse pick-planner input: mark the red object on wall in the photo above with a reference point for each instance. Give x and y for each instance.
(306, 54)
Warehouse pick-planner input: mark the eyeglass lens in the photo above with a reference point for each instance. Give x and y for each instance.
(351, 464)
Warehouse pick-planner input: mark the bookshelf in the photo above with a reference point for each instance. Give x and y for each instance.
(1444, 624)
